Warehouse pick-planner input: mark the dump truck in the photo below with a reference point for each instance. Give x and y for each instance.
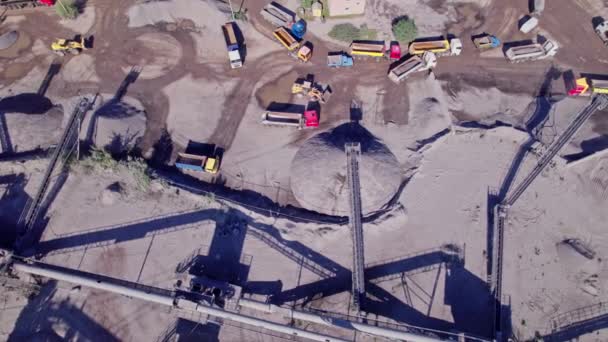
(234, 50)
(440, 47)
(367, 49)
(339, 59)
(486, 41)
(528, 24)
(529, 52)
(286, 38)
(306, 119)
(411, 65)
(277, 15)
(602, 31)
(587, 86)
(187, 161)
(538, 6)
(21, 4)
(395, 51)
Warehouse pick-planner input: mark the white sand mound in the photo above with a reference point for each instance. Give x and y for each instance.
(318, 172)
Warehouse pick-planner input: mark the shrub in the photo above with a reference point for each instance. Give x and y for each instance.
(66, 9)
(349, 32)
(404, 29)
(344, 32)
(367, 33)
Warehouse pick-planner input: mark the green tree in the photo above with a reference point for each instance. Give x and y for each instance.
(345, 32)
(404, 29)
(66, 9)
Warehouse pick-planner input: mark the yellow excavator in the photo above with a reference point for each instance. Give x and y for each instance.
(65, 46)
(315, 91)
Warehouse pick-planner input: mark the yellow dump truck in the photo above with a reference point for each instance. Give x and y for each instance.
(187, 161)
(440, 47)
(300, 51)
(286, 38)
(367, 49)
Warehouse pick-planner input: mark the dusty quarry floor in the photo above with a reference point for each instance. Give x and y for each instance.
(164, 80)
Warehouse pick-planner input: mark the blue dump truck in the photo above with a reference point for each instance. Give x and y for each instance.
(339, 59)
(486, 41)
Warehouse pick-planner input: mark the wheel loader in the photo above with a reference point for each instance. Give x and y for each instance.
(315, 91)
(65, 46)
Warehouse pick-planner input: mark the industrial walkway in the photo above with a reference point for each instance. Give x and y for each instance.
(353, 154)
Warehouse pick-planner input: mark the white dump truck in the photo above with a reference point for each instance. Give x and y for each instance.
(531, 52)
(411, 65)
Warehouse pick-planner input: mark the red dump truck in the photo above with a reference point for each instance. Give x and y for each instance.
(306, 119)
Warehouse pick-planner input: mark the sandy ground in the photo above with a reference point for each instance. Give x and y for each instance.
(105, 222)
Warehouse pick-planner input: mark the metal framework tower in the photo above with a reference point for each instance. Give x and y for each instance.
(598, 102)
(353, 154)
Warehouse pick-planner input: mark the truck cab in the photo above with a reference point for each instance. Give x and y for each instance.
(395, 51)
(455, 47)
(311, 118)
(304, 53)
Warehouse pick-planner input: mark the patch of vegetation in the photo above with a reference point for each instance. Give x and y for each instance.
(140, 171)
(307, 3)
(66, 9)
(366, 33)
(99, 158)
(241, 15)
(349, 32)
(404, 29)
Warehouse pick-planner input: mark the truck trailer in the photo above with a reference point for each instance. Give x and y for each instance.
(286, 38)
(411, 65)
(234, 50)
(306, 119)
(531, 52)
(277, 15)
(441, 47)
(368, 49)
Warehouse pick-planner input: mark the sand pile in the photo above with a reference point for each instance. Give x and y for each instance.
(318, 172)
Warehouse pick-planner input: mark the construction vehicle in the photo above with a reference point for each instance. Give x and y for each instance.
(395, 51)
(602, 31)
(441, 47)
(339, 59)
(486, 41)
(277, 15)
(538, 6)
(298, 29)
(303, 53)
(72, 46)
(587, 86)
(234, 50)
(411, 65)
(530, 52)
(306, 119)
(286, 38)
(368, 49)
(528, 24)
(21, 4)
(316, 92)
(188, 161)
